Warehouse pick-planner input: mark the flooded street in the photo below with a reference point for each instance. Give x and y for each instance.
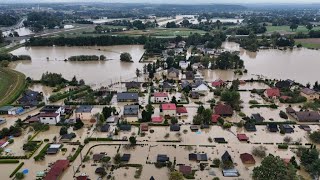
(98, 73)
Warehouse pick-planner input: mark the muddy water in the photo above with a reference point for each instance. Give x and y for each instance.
(94, 73)
(297, 64)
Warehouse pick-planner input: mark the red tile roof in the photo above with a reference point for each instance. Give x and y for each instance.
(144, 127)
(185, 169)
(57, 169)
(169, 106)
(160, 94)
(182, 110)
(157, 119)
(223, 110)
(82, 178)
(214, 118)
(217, 83)
(242, 137)
(273, 92)
(247, 158)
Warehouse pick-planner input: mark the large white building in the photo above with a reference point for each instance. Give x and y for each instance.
(49, 118)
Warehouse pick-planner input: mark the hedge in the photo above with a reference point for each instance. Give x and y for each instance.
(59, 96)
(105, 139)
(16, 170)
(75, 155)
(42, 153)
(9, 161)
(283, 146)
(278, 123)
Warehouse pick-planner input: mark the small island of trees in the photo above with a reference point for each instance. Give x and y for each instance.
(125, 57)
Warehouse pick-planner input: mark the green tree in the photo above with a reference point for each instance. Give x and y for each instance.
(133, 140)
(309, 26)
(117, 158)
(125, 57)
(293, 26)
(176, 175)
(138, 73)
(63, 130)
(315, 137)
(274, 168)
(78, 125)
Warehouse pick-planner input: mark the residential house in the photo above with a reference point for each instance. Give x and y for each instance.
(200, 87)
(218, 83)
(242, 137)
(189, 76)
(144, 127)
(194, 128)
(230, 172)
(194, 95)
(131, 113)
(283, 84)
(178, 51)
(198, 157)
(125, 127)
(127, 97)
(15, 111)
(125, 157)
(247, 158)
(166, 86)
(286, 128)
(182, 111)
(185, 85)
(197, 66)
(157, 119)
(100, 170)
(162, 158)
(220, 140)
(223, 110)
(174, 127)
(2, 121)
(30, 99)
(57, 169)
(307, 116)
(309, 94)
(53, 148)
(257, 117)
(272, 127)
(198, 77)
(272, 93)
(173, 74)
(185, 170)
(133, 86)
(112, 119)
(215, 118)
(5, 110)
(67, 137)
(305, 127)
(184, 64)
(181, 44)
(250, 127)
(168, 109)
(49, 118)
(97, 157)
(84, 112)
(226, 157)
(52, 109)
(290, 110)
(161, 97)
(105, 128)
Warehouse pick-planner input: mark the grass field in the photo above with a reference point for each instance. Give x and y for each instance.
(164, 32)
(313, 43)
(12, 84)
(286, 29)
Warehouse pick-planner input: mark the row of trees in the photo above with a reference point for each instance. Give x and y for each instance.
(87, 58)
(137, 24)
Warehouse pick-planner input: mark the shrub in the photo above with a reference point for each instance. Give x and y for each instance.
(283, 146)
(259, 151)
(315, 137)
(10, 141)
(8, 161)
(253, 102)
(16, 169)
(283, 115)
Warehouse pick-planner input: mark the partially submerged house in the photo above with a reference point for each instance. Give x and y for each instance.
(125, 157)
(162, 158)
(173, 74)
(128, 97)
(182, 111)
(307, 116)
(272, 93)
(57, 169)
(257, 117)
(198, 157)
(133, 86)
(185, 170)
(131, 113)
(161, 97)
(286, 128)
(168, 109)
(247, 158)
(230, 172)
(157, 119)
(242, 137)
(30, 99)
(84, 112)
(223, 110)
(272, 127)
(174, 127)
(309, 94)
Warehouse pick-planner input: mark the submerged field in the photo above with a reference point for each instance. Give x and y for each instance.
(12, 84)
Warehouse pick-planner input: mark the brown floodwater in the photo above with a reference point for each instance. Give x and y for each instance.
(100, 73)
(297, 64)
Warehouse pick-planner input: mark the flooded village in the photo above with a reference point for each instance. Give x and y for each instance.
(202, 105)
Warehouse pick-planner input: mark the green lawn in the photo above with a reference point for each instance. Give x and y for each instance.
(288, 30)
(308, 45)
(164, 32)
(12, 84)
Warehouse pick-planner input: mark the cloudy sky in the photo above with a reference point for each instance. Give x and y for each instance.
(170, 1)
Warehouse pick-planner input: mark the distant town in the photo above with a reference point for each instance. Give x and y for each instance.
(144, 91)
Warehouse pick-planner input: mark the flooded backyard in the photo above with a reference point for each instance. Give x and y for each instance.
(98, 73)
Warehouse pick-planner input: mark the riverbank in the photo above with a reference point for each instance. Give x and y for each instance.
(12, 84)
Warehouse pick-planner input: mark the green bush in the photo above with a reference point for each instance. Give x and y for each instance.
(283, 146)
(42, 153)
(8, 161)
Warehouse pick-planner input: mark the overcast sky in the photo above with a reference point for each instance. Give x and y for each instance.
(170, 1)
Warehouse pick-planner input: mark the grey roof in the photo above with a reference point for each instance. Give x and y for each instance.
(125, 157)
(6, 108)
(307, 91)
(167, 85)
(125, 127)
(127, 96)
(189, 75)
(308, 116)
(173, 70)
(131, 110)
(185, 84)
(257, 117)
(162, 158)
(202, 157)
(84, 109)
(50, 108)
(105, 128)
(226, 156)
